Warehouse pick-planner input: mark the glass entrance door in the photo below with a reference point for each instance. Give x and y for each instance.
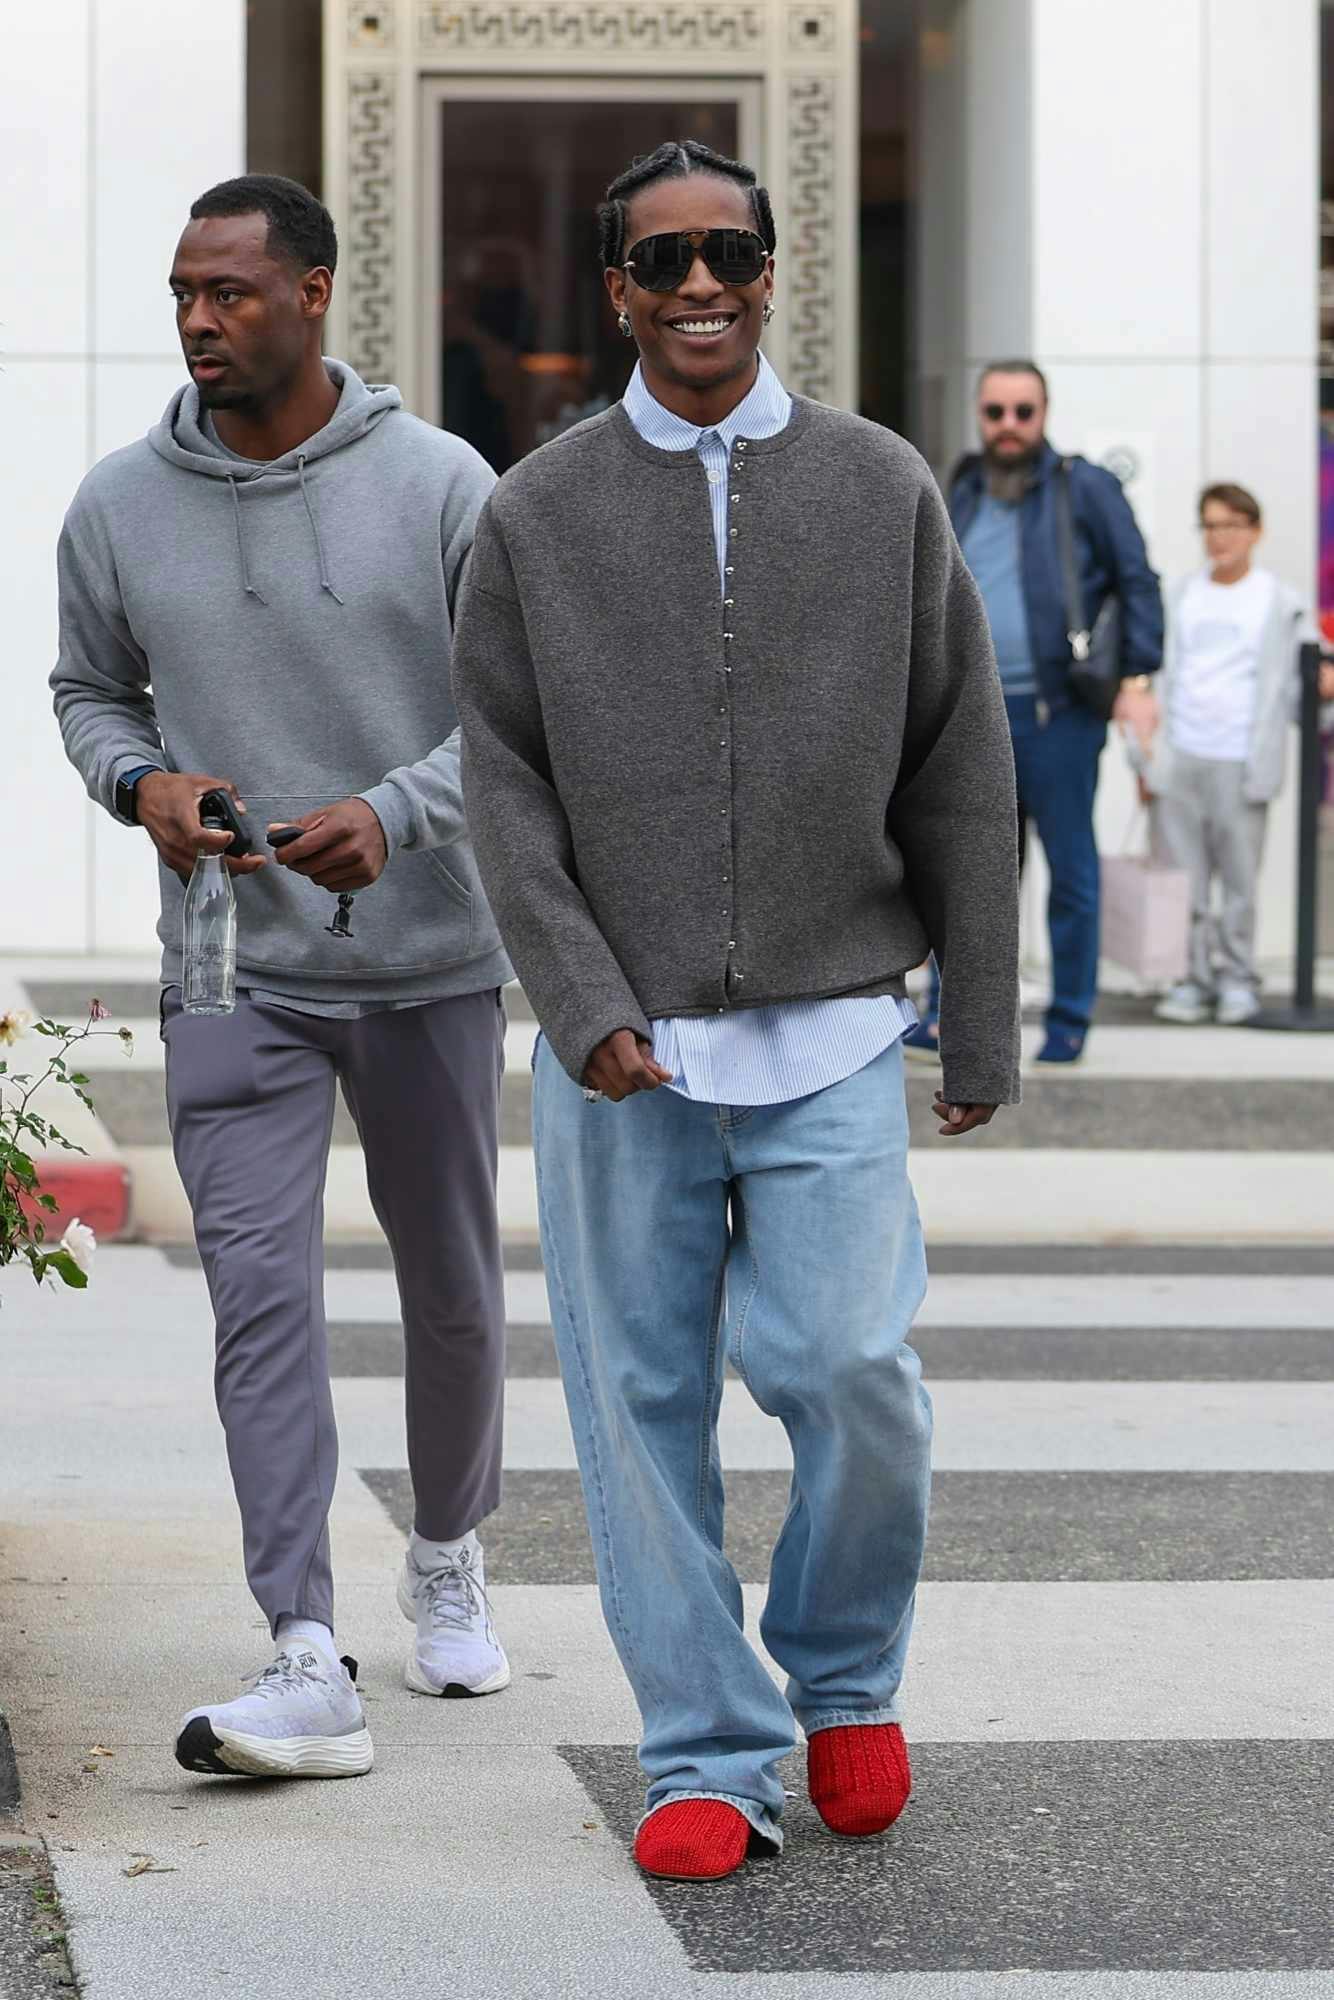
(521, 343)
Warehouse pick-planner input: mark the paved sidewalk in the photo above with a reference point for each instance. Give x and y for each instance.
(1119, 1697)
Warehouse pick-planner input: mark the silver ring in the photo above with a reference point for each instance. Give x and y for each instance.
(594, 1096)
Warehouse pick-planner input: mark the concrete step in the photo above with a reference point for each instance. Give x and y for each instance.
(1155, 1097)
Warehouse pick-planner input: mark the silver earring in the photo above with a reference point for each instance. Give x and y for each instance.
(624, 327)
(768, 311)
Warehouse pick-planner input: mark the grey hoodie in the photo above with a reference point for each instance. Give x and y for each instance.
(294, 620)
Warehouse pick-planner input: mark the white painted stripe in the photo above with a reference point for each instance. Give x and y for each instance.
(980, 1426)
(1121, 1055)
(161, 1214)
(134, 1285)
(999, 1663)
(1069, 1195)
(1013, 1301)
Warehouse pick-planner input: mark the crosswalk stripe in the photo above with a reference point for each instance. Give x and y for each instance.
(980, 1426)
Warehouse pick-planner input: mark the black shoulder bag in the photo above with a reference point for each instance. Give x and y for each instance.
(1095, 655)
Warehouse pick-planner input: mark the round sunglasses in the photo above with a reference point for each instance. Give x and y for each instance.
(663, 263)
(1023, 412)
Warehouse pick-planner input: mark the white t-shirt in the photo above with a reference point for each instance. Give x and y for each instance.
(1215, 679)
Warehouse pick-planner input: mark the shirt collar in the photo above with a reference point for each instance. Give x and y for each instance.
(762, 412)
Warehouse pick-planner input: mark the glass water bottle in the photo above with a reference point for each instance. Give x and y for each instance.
(210, 935)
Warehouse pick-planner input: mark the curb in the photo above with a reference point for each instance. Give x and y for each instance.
(9, 1773)
(96, 1191)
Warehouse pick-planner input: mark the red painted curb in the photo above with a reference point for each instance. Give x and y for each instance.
(96, 1191)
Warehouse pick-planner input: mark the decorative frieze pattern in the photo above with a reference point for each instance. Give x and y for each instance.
(809, 253)
(563, 27)
(369, 256)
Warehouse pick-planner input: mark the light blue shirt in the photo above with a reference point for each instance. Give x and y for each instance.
(991, 549)
(756, 1055)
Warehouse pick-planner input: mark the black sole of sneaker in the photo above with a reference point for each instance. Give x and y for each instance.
(197, 1749)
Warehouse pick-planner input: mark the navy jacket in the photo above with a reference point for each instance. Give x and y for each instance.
(1109, 550)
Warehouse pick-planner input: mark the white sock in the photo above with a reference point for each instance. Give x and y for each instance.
(430, 1556)
(312, 1632)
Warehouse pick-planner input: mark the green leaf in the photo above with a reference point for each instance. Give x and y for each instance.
(77, 1077)
(65, 1267)
(48, 1202)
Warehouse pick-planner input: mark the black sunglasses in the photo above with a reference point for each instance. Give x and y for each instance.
(662, 263)
(1023, 412)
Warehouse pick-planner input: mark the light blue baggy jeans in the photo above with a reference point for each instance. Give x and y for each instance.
(785, 1237)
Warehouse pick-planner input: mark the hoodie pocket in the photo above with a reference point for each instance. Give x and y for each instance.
(418, 917)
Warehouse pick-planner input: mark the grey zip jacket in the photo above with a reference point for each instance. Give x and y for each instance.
(685, 804)
(289, 626)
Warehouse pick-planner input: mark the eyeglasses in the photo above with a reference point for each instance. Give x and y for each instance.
(663, 263)
(1022, 412)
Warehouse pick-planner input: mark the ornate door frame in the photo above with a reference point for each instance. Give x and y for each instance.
(803, 52)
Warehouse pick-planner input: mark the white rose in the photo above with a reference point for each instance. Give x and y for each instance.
(81, 1243)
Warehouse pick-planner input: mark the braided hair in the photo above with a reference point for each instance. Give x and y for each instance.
(673, 162)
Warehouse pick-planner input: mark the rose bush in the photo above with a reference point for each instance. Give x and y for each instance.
(23, 1132)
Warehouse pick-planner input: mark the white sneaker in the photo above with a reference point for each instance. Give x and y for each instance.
(299, 1718)
(1237, 1005)
(1187, 1004)
(456, 1650)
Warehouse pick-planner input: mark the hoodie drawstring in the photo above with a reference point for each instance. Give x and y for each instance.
(314, 529)
(246, 584)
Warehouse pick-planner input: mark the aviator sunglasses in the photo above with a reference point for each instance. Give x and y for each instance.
(662, 263)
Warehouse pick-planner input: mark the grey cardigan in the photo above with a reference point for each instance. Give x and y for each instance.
(1277, 696)
(682, 805)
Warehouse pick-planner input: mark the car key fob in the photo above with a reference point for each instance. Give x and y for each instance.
(283, 836)
(221, 806)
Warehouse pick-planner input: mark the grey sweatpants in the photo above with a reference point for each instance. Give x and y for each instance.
(1205, 824)
(250, 1098)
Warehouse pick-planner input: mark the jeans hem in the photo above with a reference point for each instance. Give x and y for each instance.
(763, 1822)
(851, 1718)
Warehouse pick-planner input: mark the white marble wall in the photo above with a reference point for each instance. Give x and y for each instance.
(116, 114)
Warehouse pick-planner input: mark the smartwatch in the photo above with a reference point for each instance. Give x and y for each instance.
(124, 791)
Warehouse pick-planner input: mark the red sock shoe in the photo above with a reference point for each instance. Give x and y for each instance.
(693, 1840)
(859, 1777)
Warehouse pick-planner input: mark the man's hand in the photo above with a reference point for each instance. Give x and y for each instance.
(166, 804)
(1327, 680)
(343, 847)
(956, 1119)
(622, 1065)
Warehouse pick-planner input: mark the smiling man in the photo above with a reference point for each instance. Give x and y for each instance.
(261, 591)
(735, 756)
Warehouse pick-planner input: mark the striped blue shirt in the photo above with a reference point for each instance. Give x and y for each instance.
(756, 1055)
